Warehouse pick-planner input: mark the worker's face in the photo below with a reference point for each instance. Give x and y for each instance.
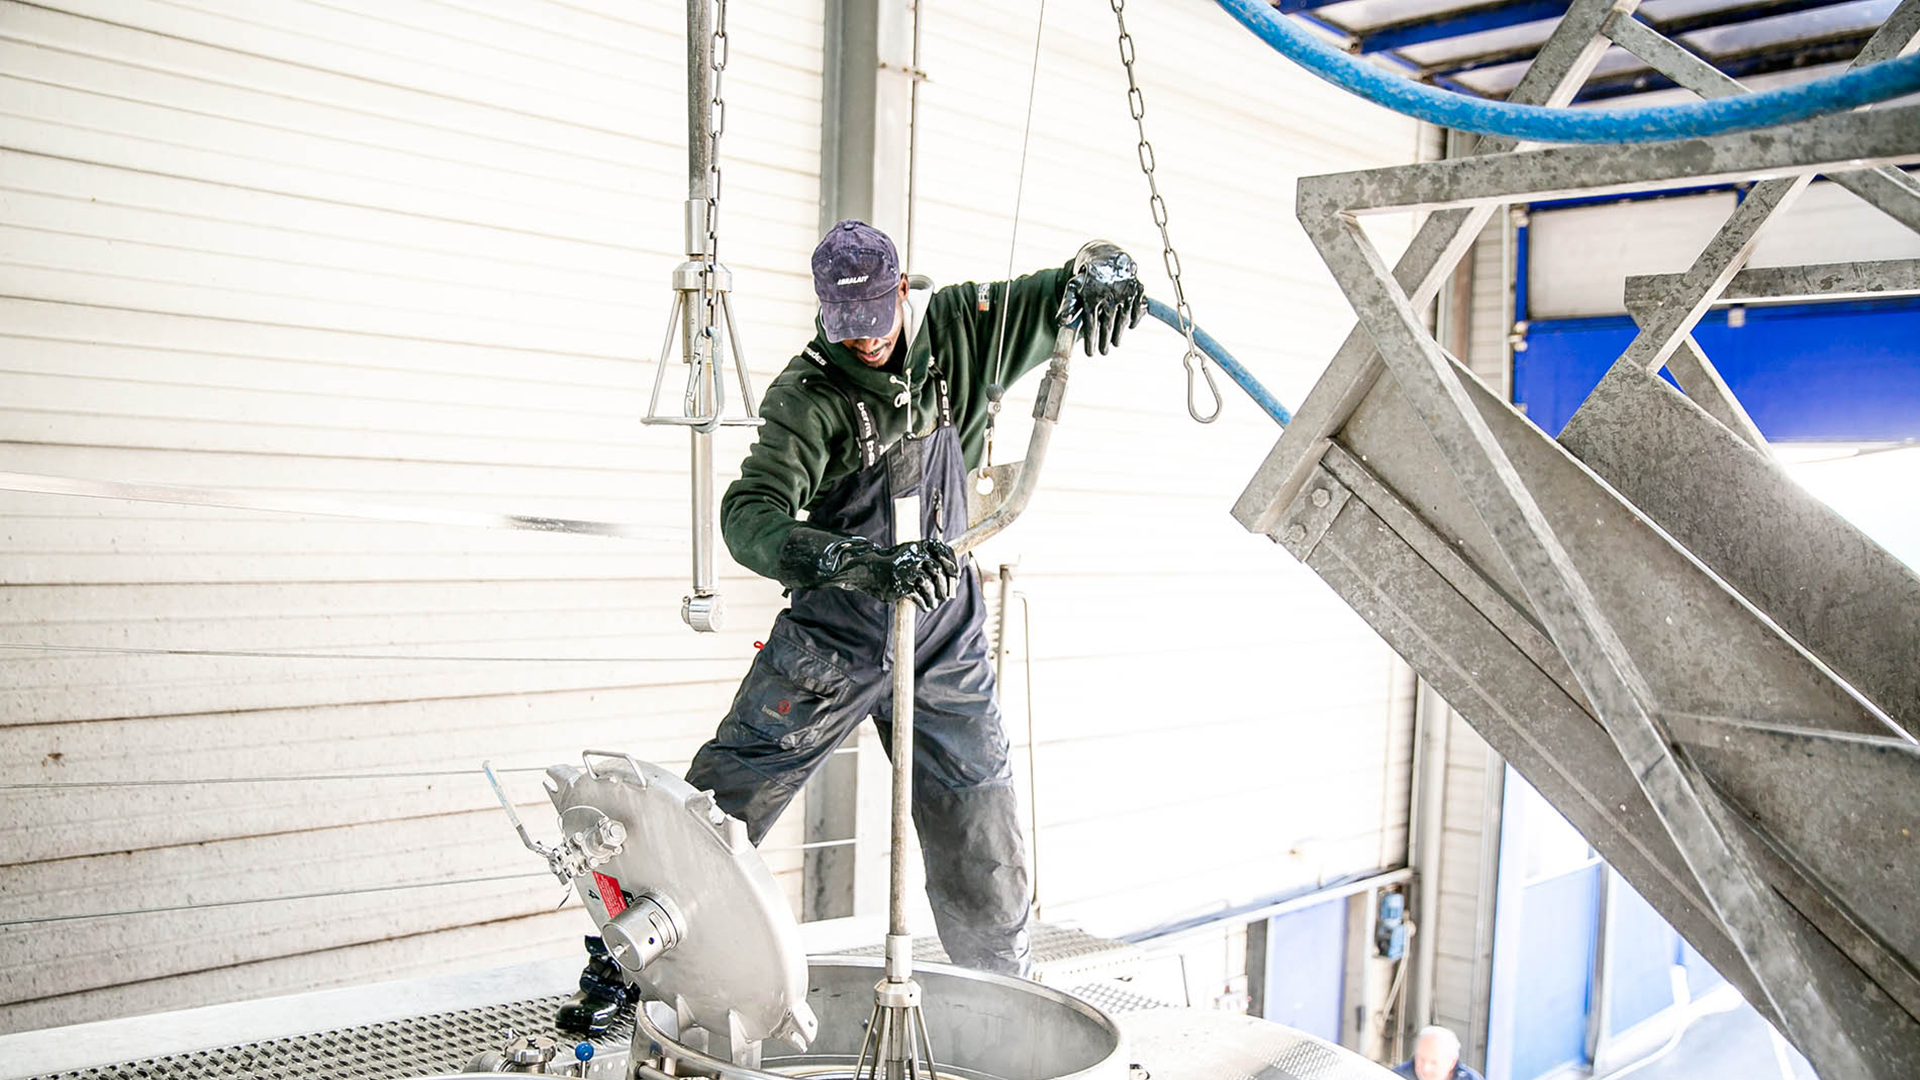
(1433, 1060)
(874, 351)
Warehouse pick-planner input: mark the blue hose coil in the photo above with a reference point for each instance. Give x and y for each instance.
(1535, 123)
(1260, 394)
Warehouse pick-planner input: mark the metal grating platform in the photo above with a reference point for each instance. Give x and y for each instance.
(446, 1041)
(397, 1049)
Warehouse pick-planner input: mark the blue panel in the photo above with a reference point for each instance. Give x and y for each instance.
(1842, 372)
(1458, 23)
(1645, 949)
(1307, 968)
(1550, 1002)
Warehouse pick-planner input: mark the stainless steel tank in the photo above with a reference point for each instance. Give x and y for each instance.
(981, 1026)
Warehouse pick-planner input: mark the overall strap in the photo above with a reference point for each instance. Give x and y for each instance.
(866, 432)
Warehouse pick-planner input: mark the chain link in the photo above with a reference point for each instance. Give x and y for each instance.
(1194, 361)
(716, 125)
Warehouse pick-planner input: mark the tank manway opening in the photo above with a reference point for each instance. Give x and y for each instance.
(697, 922)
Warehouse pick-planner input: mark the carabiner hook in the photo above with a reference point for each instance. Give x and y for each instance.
(1193, 353)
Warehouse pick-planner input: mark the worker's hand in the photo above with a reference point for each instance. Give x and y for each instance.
(926, 571)
(1104, 295)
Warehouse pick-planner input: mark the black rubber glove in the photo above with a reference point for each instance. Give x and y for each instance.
(927, 571)
(1104, 294)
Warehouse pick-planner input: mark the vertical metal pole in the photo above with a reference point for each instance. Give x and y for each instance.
(1600, 993)
(1432, 719)
(899, 941)
(699, 106)
(913, 142)
(696, 346)
(1005, 582)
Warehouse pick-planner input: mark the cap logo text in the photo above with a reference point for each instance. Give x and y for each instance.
(853, 280)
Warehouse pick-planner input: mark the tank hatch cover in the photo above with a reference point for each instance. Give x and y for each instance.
(738, 968)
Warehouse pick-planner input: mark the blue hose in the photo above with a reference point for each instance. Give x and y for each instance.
(1260, 394)
(1694, 119)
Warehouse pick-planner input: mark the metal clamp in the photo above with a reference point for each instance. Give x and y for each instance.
(703, 402)
(1189, 362)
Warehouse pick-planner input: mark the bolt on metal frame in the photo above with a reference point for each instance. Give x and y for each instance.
(1523, 586)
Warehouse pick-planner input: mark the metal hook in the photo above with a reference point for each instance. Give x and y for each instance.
(1194, 353)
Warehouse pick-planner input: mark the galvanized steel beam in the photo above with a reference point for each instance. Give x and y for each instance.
(1845, 598)
(1583, 623)
(1418, 589)
(1837, 143)
(1817, 281)
(1593, 598)
(1443, 239)
(1562, 600)
(1664, 327)
(1690, 368)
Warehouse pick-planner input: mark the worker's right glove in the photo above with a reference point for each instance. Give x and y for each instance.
(927, 571)
(1104, 295)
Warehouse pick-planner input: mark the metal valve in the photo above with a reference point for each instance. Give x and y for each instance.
(521, 1054)
(646, 930)
(591, 837)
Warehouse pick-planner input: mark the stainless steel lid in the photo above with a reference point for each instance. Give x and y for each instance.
(737, 968)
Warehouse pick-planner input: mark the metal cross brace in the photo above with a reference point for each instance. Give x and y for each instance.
(1562, 66)
(1665, 334)
(1464, 192)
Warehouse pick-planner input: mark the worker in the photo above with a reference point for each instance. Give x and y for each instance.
(1436, 1056)
(888, 400)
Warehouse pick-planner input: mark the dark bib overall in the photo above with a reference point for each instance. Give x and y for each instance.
(826, 666)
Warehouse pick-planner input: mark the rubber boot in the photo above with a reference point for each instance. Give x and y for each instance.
(603, 993)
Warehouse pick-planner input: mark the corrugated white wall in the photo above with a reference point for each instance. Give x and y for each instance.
(372, 249)
(1213, 724)
(1580, 257)
(418, 252)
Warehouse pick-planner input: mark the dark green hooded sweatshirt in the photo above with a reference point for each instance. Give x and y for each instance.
(808, 442)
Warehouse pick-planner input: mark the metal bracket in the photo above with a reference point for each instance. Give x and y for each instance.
(1000, 480)
(1311, 514)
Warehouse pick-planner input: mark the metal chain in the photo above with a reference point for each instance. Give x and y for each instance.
(1194, 360)
(716, 125)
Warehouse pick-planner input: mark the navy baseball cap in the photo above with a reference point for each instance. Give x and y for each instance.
(856, 275)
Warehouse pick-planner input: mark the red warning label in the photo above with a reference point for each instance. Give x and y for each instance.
(609, 890)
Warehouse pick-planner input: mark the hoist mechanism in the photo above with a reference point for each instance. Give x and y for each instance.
(702, 306)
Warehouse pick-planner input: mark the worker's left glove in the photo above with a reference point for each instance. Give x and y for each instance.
(1104, 295)
(924, 571)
